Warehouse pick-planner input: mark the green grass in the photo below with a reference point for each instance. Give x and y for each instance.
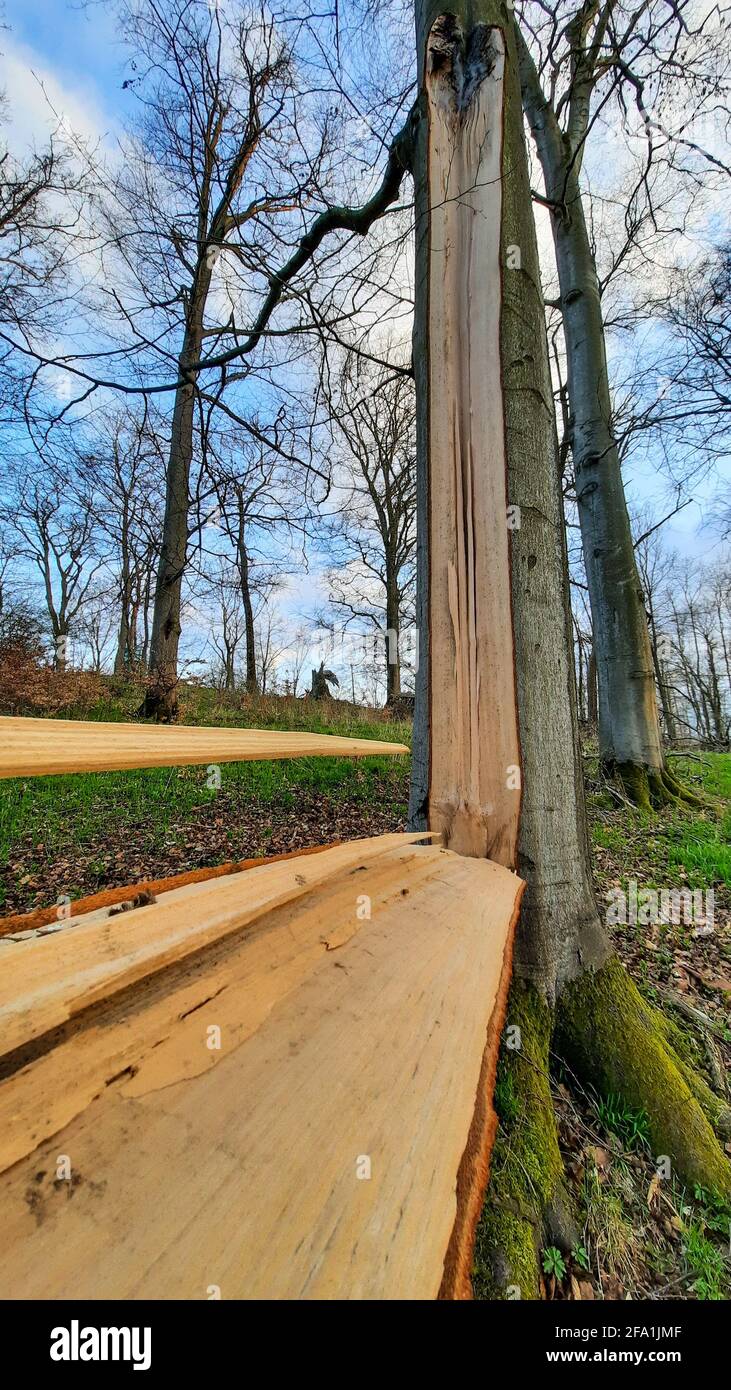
(678, 845)
(63, 815)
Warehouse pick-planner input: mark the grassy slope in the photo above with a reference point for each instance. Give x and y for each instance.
(75, 834)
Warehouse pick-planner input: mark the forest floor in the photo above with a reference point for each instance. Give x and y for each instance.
(76, 835)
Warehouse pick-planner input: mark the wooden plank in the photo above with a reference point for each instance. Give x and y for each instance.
(246, 974)
(474, 784)
(362, 1049)
(110, 897)
(40, 747)
(48, 979)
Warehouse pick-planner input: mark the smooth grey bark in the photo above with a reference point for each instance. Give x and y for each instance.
(560, 934)
(629, 730)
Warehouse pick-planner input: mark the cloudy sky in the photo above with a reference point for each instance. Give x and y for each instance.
(63, 60)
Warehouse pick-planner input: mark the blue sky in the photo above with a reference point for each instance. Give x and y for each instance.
(72, 49)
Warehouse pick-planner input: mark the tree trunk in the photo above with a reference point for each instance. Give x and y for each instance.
(252, 683)
(487, 441)
(122, 655)
(161, 700)
(393, 634)
(629, 729)
(592, 696)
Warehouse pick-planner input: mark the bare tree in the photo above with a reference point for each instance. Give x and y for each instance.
(591, 53)
(41, 230)
(122, 465)
(53, 520)
(373, 425)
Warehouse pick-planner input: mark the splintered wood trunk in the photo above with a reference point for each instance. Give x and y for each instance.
(474, 787)
(492, 605)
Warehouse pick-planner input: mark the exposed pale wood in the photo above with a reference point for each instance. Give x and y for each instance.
(340, 1037)
(48, 979)
(34, 747)
(109, 897)
(159, 1030)
(474, 791)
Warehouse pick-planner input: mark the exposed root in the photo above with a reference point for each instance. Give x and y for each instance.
(649, 788)
(616, 1042)
(527, 1204)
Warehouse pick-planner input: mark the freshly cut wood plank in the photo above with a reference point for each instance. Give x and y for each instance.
(48, 979)
(474, 784)
(326, 1150)
(155, 1037)
(109, 897)
(35, 747)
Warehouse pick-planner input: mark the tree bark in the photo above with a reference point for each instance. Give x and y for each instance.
(161, 700)
(480, 337)
(393, 634)
(252, 683)
(629, 729)
(516, 609)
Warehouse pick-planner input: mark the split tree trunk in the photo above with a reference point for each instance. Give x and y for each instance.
(494, 623)
(486, 440)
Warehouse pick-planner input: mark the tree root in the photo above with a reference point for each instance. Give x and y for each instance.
(649, 788)
(527, 1205)
(618, 1044)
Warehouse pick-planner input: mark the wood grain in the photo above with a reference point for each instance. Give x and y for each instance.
(46, 980)
(474, 783)
(343, 1037)
(35, 747)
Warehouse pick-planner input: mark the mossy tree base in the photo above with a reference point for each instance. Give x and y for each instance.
(615, 1042)
(650, 788)
(526, 1194)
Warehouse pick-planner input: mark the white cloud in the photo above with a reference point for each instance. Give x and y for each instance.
(37, 99)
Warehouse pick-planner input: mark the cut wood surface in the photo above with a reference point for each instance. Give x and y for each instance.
(334, 1144)
(110, 897)
(474, 791)
(48, 979)
(37, 747)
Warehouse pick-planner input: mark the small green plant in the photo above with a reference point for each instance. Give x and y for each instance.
(631, 1126)
(715, 1211)
(706, 1262)
(580, 1256)
(554, 1262)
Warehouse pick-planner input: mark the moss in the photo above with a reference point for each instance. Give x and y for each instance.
(634, 782)
(689, 1057)
(678, 791)
(527, 1171)
(616, 1042)
(648, 788)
